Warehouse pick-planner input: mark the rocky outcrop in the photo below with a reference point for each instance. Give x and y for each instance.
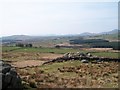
(10, 78)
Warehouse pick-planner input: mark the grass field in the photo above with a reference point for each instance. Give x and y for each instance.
(41, 50)
(106, 54)
(58, 51)
(9, 48)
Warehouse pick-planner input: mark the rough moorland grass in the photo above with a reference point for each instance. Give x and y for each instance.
(51, 71)
(54, 67)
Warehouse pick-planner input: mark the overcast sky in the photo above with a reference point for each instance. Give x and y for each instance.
(32, 17)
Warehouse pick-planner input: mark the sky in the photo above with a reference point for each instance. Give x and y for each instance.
(57, 17)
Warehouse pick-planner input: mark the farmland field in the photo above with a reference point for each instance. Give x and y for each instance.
(41, 50)
(59, 51)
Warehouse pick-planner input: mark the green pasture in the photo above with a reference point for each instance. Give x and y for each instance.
(41, 50)
(9, 48)
(106, 54)
(59, 51)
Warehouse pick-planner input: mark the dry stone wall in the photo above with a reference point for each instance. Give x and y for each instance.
(83, 57)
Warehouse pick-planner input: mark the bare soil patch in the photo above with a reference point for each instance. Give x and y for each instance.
(27, 63)
(51, 56)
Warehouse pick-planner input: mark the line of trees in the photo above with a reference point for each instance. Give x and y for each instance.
(97, 43)
(87, 41)
(24, 45)
(114, 45)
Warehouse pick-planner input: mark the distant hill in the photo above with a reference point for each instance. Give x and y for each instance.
(115, 31)
(36, 38)
(111, 35)
(87, 34)
(17, 37)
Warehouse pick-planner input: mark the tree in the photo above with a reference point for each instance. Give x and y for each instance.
(28, 45)
(57, 46)
(20, 45)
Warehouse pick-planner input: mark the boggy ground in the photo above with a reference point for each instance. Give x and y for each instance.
(71, 74)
